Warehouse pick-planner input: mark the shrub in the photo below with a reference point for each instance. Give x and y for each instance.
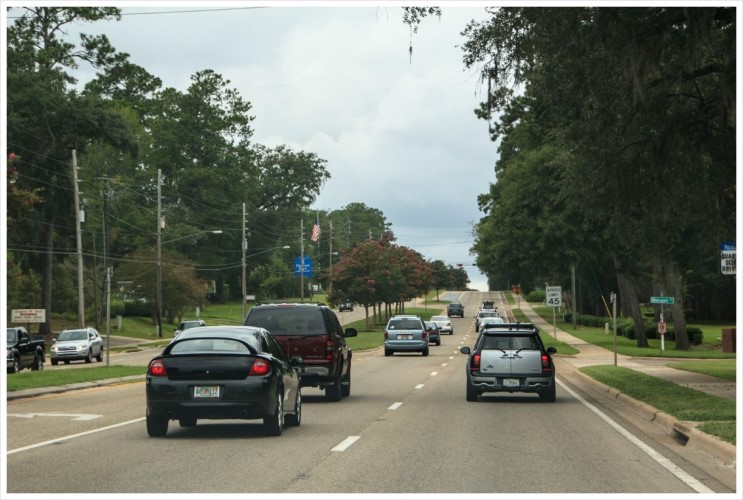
(536, 296)
(137, 309)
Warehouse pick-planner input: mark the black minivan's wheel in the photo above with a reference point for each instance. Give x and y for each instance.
(346, 384)
(333, 391)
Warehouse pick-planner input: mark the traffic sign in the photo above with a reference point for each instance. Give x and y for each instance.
(554, 296)
(661, 300)
(727, 257)
(303, 268)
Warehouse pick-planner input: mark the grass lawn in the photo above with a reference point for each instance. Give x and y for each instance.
(723, 368)
(34, 379)
(717, 414)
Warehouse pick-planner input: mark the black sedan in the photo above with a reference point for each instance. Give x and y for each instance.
(223, 372)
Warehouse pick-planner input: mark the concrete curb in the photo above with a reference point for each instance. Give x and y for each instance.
(672, 426)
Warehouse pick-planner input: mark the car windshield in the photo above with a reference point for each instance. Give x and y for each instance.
(73, 335)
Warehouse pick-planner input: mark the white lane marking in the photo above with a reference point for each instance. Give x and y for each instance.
(433, 374)
(674, 469)
(346, 443)
(419, 386)
(395, 406)
(72, 416)
(452, 357)
(72, 436)
(444, 364)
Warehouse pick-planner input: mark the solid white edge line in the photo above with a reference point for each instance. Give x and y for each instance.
(72, 436)
(674, 469)
(346, 443)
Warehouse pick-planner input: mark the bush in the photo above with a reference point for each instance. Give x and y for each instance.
(137, 309)
(536, 296)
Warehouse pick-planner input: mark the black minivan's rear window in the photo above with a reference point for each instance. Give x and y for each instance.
(288, 320)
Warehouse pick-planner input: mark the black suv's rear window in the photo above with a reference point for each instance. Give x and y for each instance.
(288, 320)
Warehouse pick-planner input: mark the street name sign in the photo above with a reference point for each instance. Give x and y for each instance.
(662, 300)
(727, 257)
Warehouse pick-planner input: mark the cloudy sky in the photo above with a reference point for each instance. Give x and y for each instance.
(397, 129)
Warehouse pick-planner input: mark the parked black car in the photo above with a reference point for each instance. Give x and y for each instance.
(345, 306)
(22, 351)
(313, 332)
(223, 372)
(455, 309)
(510, 357)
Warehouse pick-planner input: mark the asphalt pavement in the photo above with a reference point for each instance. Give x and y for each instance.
(589, 355)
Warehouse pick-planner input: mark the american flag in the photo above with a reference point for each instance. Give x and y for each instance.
(316, 230)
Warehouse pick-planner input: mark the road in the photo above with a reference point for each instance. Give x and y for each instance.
(406, 428)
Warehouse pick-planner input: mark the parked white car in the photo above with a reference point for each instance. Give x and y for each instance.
(77, 344)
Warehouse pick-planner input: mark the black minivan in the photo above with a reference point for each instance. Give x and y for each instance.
(313, 332)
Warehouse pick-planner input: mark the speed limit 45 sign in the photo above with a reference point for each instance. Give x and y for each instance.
(554, 296)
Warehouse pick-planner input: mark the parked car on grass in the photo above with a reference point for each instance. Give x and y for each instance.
(77, 344)
(22, 351)
(345, 306)
(510, 358)
(223, 372)
(313, 332)
(444, 324)
(434, 336)
(405, 333)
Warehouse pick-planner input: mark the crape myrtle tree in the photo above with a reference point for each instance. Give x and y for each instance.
(632, 110)
(377, 273)
(47, 118)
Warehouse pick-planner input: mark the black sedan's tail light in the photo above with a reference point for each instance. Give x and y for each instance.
(260, 368)
(157, 368)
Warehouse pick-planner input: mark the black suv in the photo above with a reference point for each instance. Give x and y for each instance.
(455, 309)
(510, 357)
(313, 332)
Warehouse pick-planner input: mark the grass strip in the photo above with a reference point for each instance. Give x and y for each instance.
(722, 369)
(48, 378)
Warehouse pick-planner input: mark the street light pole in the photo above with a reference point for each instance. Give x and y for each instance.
(158, 258)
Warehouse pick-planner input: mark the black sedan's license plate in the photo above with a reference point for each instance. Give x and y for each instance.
(206, 391)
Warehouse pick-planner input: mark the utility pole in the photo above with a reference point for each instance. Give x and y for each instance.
(244, 264)
(301, 260)
(80, 291)
(108, 274)
(330, 256)
(159, 298)
(572, 279)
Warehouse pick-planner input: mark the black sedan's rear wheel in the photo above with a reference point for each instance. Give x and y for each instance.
(157, 426)
(274, 423)
(294, 419)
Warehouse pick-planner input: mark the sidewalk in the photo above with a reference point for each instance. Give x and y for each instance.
(591, 354)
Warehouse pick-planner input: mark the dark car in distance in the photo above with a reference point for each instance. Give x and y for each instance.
(223, 372)
(313, 332)
(434, 334)
(455, 309)
(345, 306)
